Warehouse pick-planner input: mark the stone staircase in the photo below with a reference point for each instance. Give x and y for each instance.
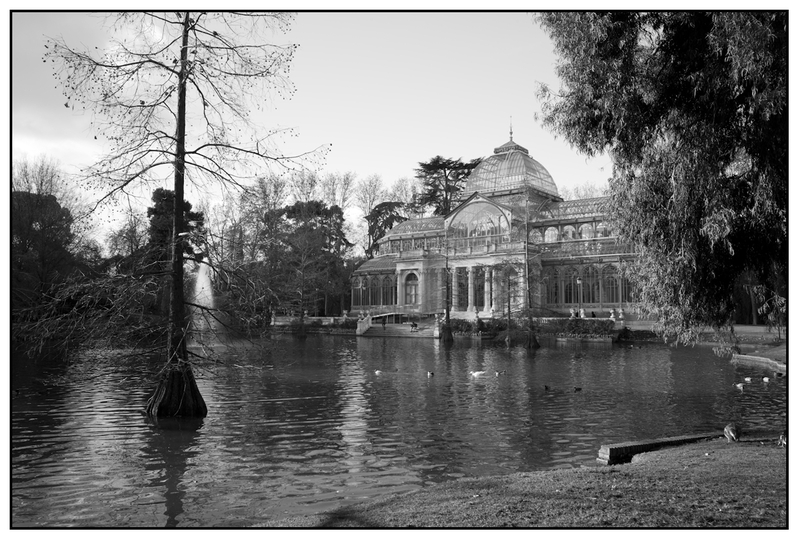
(400, 330)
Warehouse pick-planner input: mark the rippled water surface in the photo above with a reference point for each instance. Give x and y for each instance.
(297, 427)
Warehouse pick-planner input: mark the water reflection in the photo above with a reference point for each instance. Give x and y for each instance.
(170, 447)
(302, 426)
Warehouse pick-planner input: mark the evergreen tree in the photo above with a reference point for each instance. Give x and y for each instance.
(693, 108)
(442, 181)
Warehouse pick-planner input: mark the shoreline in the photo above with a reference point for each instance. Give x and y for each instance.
(707, 484)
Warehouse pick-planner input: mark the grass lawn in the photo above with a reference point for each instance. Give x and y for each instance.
(705, 484)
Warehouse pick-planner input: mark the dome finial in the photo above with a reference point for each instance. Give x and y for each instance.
(511, 128)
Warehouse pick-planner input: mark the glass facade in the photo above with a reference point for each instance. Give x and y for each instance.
(411, 289)
(508, 195)
(510, 168)
(479, 219)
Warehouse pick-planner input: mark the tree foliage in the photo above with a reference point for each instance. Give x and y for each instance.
(273, 257)
(692, 108)
(315, 247)
(159, 232)
(41, 235)
(442, 180)
(380, 220)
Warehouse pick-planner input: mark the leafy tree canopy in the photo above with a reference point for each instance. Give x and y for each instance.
(161, 219)
(692, 107)
(41, 234)
(381, 219)
(442, 180)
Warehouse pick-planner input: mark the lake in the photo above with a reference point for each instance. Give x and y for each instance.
(297, 427)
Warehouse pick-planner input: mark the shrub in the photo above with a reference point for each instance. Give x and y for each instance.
(578, 327)
(461, 326)
(348, 323)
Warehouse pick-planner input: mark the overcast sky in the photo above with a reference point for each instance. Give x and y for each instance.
(386, 90)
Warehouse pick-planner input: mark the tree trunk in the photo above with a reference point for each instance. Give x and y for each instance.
(532, 340)
(446, 330)
(177, 393)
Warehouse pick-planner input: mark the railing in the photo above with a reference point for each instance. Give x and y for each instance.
(287, 320)
(581, 248)
(475, 246)
(363, 325)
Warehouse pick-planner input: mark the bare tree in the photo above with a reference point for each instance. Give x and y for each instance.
(43, 176)
(368, 194)
(406, 191)
(129, 237)
(336, 189)
(584, 191)
(171, 96)
(304, 185)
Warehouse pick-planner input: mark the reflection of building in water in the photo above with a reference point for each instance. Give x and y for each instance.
(476, 254)
(354, 411)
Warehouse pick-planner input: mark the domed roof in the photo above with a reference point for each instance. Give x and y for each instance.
(510, 168)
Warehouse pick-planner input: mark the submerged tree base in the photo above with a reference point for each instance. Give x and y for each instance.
(177, 394)
(446, 334)
(532, 341)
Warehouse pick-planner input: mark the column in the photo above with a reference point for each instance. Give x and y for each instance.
(455, 295)
(495, 291)
(487, 289)
(441, 286)
(601, 299)
(470, 290)
(422, 300)
(522, 291)
(400, 291)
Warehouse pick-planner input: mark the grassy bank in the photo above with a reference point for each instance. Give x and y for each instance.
(706, 484)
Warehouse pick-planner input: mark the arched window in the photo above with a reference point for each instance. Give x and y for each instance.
(626, 290)
(586, 231)
(357, 298)
(590, 285)
(610, 285)
(549, 294)
(535, 236)
(551, 235)
(387, 296)
(602, 230)
(411, 289)
(479, 219)
(569, 233)
(374, 291)
(570, 290)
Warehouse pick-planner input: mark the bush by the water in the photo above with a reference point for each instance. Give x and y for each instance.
(578, 327)
(480, 326)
